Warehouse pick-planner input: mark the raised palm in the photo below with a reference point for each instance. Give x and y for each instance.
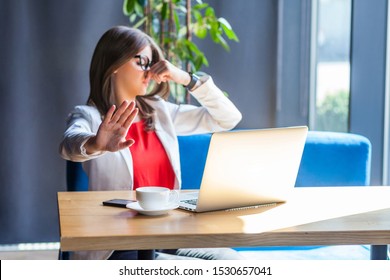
(111, 135)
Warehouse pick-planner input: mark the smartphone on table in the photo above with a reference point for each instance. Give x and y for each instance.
(117, 202)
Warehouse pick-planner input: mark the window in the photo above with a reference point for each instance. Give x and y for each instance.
(331, 35)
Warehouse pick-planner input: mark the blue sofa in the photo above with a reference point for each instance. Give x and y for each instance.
(329, 159)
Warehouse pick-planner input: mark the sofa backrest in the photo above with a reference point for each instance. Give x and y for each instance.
(76, 178)
(335, 159)
(329, 159)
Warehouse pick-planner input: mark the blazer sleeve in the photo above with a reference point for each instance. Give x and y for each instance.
(79, 128)
(216, 113)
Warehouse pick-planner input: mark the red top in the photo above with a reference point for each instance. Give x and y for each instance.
(150, 161)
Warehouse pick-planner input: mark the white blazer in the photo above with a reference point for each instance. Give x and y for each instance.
(114, 170)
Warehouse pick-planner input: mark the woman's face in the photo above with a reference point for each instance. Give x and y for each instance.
(131, 78)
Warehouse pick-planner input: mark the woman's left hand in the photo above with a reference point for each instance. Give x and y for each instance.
(164, 71)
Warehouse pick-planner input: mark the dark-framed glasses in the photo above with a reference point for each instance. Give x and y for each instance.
(143, 62)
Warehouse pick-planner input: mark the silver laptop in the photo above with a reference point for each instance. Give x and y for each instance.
(248, 168)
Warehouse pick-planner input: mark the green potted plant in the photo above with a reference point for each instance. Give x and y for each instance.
(173, 23)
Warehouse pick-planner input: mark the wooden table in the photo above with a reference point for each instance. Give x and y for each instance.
(311, 216)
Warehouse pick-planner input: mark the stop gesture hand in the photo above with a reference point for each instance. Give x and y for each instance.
(111, 135)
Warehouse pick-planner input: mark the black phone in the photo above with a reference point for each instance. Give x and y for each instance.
(117, 202)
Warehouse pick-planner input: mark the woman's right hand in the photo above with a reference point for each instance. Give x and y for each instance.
(111, 135)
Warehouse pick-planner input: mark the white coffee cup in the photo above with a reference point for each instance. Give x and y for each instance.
(156, 198)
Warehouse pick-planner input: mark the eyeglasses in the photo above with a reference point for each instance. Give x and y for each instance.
(144, 62)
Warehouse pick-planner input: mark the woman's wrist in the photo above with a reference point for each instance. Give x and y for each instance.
(90, 146)
(187, 79)
(193, 83)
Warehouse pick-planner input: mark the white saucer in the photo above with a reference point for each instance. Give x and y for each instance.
(135, 206)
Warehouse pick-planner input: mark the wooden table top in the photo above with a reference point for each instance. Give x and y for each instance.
(311, 216)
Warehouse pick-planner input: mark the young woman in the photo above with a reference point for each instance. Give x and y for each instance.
(125, 136)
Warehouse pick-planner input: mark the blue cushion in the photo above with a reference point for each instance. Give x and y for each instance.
(335, 159)
(193, 153)
(76, 178)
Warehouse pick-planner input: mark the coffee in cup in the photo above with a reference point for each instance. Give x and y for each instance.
(155, 198)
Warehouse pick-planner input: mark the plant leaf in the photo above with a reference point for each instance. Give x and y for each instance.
(177, 21)
(210, 12)
(200, 31)
(228, 29)
(225, 23)
(197, 15)
(214, 32)
(140, 22)
(193, 47)
(164, 11)
(142, 2)
(200, 6)
(138, 9)
(198, 63)
(128, 7)
(223, 42)
(132, 17)
(182, 31)
(182, 9)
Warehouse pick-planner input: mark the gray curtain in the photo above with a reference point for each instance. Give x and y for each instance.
(45, 51)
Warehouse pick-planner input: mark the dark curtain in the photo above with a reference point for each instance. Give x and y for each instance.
(45, 51)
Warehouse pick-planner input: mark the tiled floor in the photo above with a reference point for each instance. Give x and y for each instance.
(29, 255)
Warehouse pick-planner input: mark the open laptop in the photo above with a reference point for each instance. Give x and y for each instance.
(248, 168)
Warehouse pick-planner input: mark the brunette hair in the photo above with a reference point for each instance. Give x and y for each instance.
(115, 47)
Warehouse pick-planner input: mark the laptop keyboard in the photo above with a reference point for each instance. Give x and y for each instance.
(191, 201)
